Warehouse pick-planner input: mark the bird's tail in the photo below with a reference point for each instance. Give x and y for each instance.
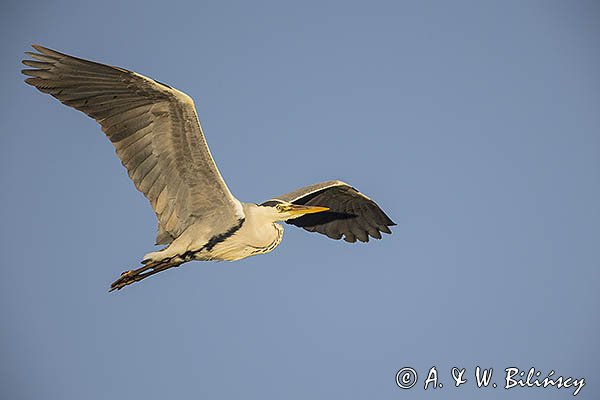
(150, 268)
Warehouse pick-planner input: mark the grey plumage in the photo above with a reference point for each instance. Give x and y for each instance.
(351, 214)
(156, 134)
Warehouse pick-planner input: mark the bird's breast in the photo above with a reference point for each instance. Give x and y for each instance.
(248, 241)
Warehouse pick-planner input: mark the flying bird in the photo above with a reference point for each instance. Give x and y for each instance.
(156, 133)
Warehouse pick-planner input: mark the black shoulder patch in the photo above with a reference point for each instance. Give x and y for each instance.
(213, 241)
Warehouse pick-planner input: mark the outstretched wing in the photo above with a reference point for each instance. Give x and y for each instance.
(156, 134)
(351, 214)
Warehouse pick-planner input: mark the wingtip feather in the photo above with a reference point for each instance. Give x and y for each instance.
(36, 64)
(39, 47)
(48, 52)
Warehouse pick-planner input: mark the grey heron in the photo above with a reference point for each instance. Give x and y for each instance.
(156, 133)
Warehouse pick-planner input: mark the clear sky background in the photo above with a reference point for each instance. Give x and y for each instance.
(475, 125)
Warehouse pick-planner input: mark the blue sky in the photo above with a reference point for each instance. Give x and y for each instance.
(475, 125)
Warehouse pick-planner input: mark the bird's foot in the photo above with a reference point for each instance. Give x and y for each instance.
(126, 278)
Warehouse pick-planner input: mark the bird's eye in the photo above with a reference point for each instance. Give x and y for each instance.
(279, 207)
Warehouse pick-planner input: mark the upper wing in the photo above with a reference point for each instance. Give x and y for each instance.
(155, 131)
(351, 213)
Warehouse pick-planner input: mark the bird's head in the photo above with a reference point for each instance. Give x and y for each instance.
(282, 211)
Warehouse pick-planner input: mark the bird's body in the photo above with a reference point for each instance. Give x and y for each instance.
(258, 234)
(254, 233)
(156, 133)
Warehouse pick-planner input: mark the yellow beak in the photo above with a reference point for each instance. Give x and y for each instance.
(298, 210)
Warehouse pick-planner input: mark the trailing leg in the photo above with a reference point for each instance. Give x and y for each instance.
(149, 269)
